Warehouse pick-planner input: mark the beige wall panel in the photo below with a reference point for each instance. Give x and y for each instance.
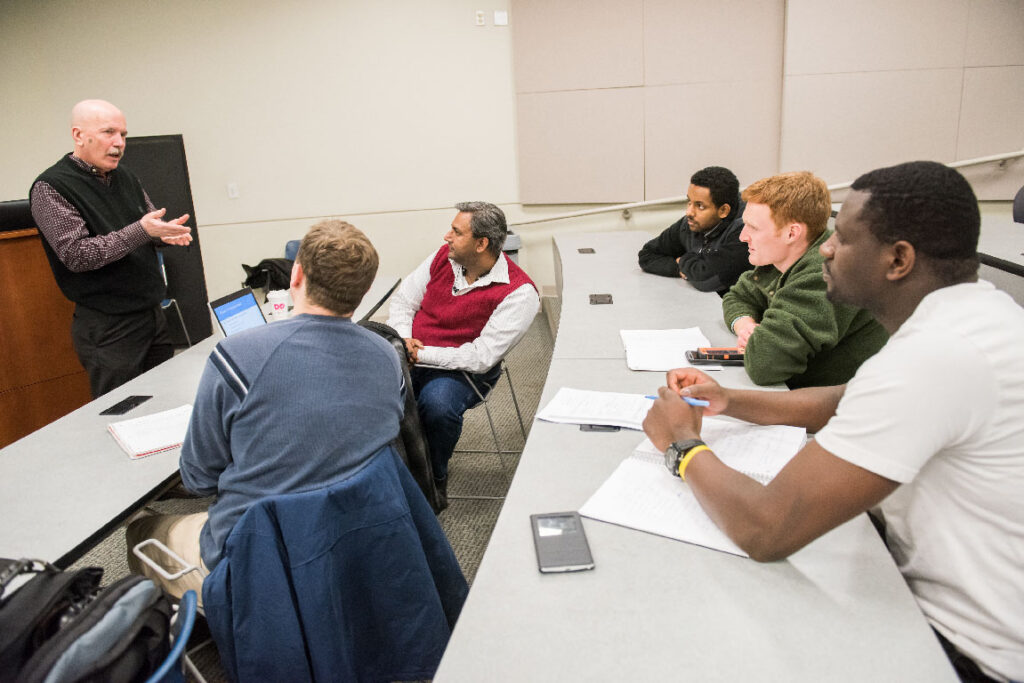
(841, 125)
(582, 146)
(577, 44)
(995, 33)
(718, 43)
(992, 122)
(837, 36)
(992, 118)
(996, 182)
(680, 138)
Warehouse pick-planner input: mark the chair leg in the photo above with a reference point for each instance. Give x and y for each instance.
(515, 402)
(494, 432)
(181, 319)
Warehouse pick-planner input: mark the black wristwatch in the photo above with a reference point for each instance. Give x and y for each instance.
(677, 451)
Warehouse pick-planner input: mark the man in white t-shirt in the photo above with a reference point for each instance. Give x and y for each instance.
(929, 433)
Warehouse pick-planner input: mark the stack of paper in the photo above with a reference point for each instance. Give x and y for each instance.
(642, 494)
(142, 436)
(662, 349)
(579, 406)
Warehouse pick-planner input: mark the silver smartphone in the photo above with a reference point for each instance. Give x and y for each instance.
(560, 542)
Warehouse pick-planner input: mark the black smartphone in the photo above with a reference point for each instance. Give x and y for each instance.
(600, 298)
(124, 405)
(719, 355)
(560, 542)
(598, 428)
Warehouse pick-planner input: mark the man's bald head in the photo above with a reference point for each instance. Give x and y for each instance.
(99, 132)
(89, 110)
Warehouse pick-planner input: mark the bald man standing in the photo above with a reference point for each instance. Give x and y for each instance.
(100, 231)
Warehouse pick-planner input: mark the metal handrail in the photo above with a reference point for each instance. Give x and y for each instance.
(682, 198)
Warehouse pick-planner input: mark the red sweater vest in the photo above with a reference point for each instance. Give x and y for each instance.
(448, 320)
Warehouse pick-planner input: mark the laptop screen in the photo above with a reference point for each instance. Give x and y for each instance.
(238, 311)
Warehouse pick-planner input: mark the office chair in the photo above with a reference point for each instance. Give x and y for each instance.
(371, 595)
(1018, 206)
(376, 307)
(188, 606)
(168, 302)
(291, 249)
(485, 396)
(177, 663)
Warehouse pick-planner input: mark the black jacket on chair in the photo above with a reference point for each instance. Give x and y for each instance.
(412, 442)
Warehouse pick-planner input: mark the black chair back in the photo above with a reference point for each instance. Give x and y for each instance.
(16, 215)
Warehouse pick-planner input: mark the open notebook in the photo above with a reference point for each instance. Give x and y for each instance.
(642, 494)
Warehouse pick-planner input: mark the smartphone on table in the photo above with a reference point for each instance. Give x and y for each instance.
(560, 542)
(719, 355)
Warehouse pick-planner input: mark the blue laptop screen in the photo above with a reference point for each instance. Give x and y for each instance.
(237, 312)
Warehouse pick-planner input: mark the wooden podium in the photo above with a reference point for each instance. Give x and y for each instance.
(40, 376)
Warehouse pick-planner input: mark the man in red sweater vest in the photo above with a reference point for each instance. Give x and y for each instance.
(462, 309)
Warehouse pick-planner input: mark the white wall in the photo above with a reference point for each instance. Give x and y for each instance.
(386, 112)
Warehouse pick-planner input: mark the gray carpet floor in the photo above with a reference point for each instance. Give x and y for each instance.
(478, 476)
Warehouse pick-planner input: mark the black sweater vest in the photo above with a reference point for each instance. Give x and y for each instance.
(133, 282)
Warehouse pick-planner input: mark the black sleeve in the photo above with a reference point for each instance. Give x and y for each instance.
(718, 267)
(659, 255)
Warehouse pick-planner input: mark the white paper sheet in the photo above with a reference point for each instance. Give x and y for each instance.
(662, 350)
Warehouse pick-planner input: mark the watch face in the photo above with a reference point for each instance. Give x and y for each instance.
(672, 459)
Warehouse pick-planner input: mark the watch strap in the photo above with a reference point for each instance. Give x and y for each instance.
(679, 449)
(689, 456)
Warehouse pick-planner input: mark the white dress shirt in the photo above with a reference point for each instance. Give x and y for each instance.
(506, 326)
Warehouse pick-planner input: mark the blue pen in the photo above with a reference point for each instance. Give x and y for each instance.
(699, 402)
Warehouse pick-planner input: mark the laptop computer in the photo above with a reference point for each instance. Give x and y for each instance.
(237, 311)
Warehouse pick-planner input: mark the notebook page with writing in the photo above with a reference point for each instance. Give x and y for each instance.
(142, 436)
(581, 406)
(642, 494)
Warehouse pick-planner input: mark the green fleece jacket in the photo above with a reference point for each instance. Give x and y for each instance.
(802, 338)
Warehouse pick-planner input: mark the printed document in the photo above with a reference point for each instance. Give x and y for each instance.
(581, 406)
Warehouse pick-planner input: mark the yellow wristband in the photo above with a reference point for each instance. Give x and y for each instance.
(688, 457)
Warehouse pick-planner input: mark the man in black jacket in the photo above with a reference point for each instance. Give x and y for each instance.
(100, 230)
(703, 247)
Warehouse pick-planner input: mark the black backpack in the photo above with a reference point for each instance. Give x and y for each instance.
(62, 626)
(269, 274)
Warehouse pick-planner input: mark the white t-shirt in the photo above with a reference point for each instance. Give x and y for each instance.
(941, 409)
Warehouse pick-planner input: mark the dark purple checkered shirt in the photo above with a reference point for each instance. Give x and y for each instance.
(64, 228)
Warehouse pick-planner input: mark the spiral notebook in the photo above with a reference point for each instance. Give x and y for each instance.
(642, 494)
(149, 434)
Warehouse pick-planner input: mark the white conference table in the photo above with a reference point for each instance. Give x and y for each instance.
(655, 608)
(64, 487)
(1003, 239)
(639, 300)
